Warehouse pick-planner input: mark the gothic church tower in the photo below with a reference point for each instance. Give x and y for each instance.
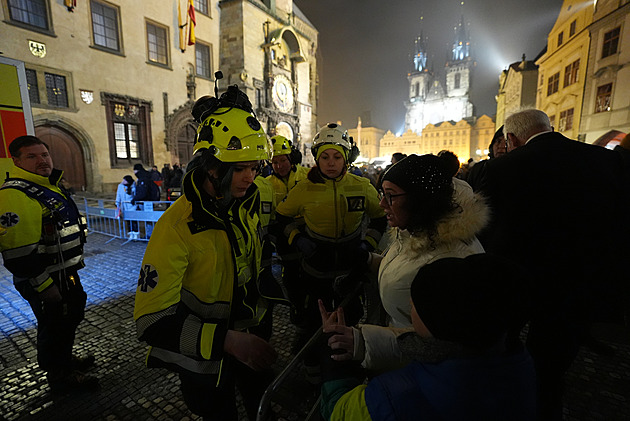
(420, 77)
(429, 102)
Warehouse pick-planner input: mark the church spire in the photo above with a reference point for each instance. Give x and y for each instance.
(461, 44)
(420, 53)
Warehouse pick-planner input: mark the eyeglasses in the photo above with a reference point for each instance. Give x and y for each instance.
(388, 196)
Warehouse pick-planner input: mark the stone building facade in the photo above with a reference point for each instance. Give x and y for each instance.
(367, 140)
(111, 86)
(104, 78)
(467, 138)
(268, 49)
(606, 105)
(562, 68)
(517, 89)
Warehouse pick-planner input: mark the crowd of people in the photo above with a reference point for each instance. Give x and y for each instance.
(529, 243)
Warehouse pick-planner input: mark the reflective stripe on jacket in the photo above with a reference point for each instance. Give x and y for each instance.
(38, 242)
(333, 210)
(198, 279)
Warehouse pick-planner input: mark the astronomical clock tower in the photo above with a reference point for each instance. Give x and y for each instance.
(268, 48)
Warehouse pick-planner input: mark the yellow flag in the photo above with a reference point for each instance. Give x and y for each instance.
(182, 36)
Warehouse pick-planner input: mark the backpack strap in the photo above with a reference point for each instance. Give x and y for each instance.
(58, 205)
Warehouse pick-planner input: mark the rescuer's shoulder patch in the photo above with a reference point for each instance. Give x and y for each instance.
(148, 278)
(9, 219)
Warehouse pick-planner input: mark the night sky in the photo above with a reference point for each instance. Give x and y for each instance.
(366, 47)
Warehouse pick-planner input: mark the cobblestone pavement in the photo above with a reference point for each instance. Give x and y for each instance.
(598, 386)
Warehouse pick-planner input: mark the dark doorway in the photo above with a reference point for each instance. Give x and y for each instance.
(185, 142)
(67, 155)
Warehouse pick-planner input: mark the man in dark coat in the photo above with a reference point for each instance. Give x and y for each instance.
(557, 210)
(146, 189)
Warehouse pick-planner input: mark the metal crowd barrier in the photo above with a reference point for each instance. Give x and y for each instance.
(264, 408)
(132, 225)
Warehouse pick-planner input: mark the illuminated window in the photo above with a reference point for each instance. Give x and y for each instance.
(560, 38)
(571, 73)
(566, 120)
(611, 42)
(105, 26)
(203, 60)
(604, 94)
(33, 13)
(126, 136)
(157, 44)
(572, 28)
(129, 130)
(552, 84)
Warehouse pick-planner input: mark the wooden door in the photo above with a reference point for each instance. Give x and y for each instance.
(185, 142)
(66, 154)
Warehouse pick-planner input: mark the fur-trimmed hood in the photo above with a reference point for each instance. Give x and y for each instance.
(469, 217)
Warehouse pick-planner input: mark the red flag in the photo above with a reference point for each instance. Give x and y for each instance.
(192, 22)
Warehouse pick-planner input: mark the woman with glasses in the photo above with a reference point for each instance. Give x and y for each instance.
(333, 239)
(432, 218)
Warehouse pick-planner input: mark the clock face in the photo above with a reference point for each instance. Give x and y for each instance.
(284, 129)
(282, 93)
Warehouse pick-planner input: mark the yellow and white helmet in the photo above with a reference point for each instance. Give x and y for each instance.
(335, 135)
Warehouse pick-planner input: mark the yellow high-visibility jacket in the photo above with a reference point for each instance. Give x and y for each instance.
(36, 245)
(267, 201)
(198, 279)
(333, 210)
(282, 186)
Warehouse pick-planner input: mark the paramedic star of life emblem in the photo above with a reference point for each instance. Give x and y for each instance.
(9, 219)
(148, 278)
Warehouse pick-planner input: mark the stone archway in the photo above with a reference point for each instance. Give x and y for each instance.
(185, 141)
(180, 134)
(69, 138)
(66, 153)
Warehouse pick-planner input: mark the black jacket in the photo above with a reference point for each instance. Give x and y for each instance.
(146, 189)
(558, 208)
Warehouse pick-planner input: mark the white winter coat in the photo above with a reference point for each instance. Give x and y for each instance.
(407, 254)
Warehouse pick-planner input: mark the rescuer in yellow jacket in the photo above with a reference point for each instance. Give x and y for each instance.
(287, 172)
(42, 246)
(333, 203)
(197, 302)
